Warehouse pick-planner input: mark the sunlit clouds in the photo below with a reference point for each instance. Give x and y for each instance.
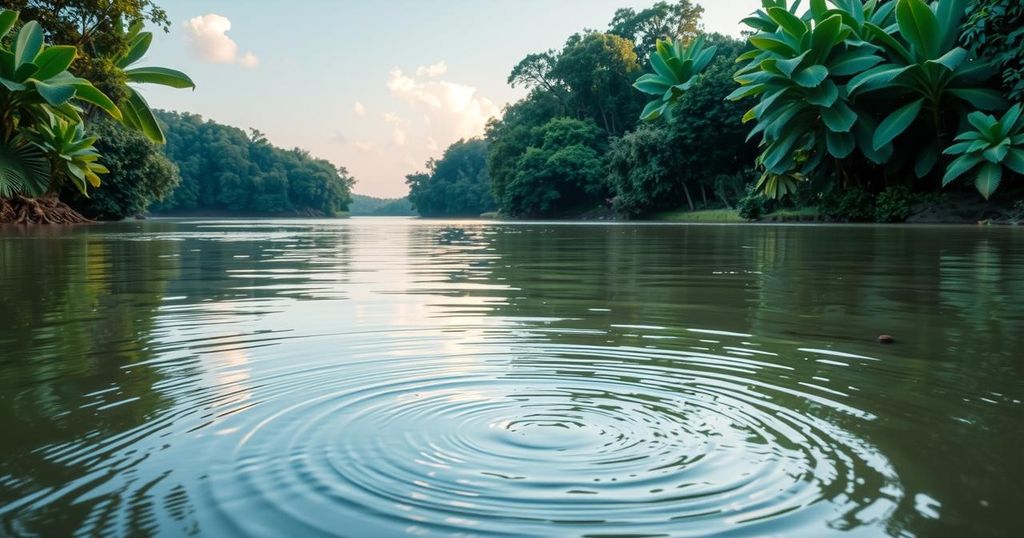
(207, 37)
(359, 109)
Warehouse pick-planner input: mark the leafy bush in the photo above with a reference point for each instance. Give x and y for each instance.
(754, 205)
(995, 32)
(993, 145)
(896, 204)
(851, 205)
(140, 174)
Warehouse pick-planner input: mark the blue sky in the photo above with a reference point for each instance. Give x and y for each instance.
(377, 87)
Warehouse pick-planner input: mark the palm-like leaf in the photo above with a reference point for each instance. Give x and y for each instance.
(676, 68)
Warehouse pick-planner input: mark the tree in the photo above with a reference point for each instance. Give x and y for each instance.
(679, 21)
(457, 185)
(139, 174)
(663, 163)
(598, 71)
(561, 169)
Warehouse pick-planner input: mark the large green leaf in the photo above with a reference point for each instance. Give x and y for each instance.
(788, 22)
(981, 98)
(652, 84)
(139, 47)
(927, 159)
(839, 118)
(896, 123)
(840, 145)
(812, 76)
(54, 60)
(961, 166)
(28, 43)
(1015, 160)
(826, 35)
(54, 93)
(824, 95)
(92, 95)
(919, 26)
(144, 115)
(988, 179)
(162, 76)
(8, 19)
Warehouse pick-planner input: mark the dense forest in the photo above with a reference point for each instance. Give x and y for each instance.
(225, 169)
(457, 185)
(843, 111)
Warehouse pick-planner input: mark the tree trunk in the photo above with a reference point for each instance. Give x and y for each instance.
(689, 199)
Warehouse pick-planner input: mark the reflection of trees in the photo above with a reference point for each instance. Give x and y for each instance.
(77, 329)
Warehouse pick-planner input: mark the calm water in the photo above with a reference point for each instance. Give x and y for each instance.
(373, 378)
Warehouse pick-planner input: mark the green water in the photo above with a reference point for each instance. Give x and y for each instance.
(397, 377)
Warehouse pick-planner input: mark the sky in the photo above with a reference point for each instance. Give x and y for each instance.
(376, 87)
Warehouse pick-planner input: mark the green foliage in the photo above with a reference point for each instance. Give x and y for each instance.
(990, 148)
(538, 171)
(994, 31)
(134, 109)
(456, 185)
(895, 204)
(850, 205)
(139, 175)
(678, 21)
(754, 205)
(24, 168)
(369, 206)
(72, 154)
(858, 85)
(663, 163)
(677, 67)
(224, 169)
(799, 69)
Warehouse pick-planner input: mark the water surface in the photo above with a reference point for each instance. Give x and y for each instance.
(388, 377)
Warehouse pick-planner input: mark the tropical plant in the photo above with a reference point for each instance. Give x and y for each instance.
(799, 68)
(927, 74)
(38, 93)
(992, 146)
(134, 108)
(73, 156)
(35, 83)
(677, 67)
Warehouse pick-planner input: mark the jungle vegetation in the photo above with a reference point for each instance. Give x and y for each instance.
(857, 110)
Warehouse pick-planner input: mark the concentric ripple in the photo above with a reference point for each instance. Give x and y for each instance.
(521, 439)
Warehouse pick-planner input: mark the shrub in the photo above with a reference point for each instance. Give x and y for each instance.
(852, 205)
(896, 204)
(754, 205)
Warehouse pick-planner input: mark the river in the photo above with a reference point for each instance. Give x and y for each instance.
(391, 377)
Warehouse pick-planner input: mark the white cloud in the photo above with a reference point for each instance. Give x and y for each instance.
(399, 134)
(455, 108)
(359, 109)
(432, 71)
(207, 35)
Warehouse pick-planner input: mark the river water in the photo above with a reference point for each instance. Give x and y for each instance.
(391, 377)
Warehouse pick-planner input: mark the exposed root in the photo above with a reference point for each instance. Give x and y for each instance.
(21, 210)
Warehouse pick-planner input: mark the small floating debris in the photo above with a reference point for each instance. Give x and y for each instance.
(886, 339)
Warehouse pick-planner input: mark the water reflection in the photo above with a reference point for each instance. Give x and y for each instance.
(379, 377)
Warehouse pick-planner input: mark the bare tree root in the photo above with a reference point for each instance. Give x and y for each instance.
(49, 210)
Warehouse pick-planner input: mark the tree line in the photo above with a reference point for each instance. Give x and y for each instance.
(861, 110)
